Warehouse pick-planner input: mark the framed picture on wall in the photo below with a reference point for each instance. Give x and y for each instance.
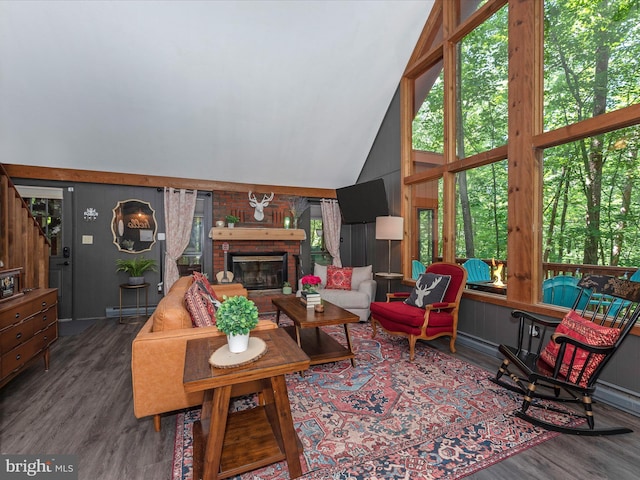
(134, 226)
(10, 283)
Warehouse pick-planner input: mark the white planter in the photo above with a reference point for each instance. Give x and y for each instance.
(231, 225)
(238, 343)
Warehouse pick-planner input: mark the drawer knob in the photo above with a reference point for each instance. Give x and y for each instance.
(19, 335)
(44, 304)
(18, 315)
(44, 318)
(18, 357)
(46, 338)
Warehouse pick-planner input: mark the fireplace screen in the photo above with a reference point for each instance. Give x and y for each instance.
(259, 271)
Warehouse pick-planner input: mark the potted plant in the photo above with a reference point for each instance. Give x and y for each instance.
(286, 288)
(235, 317)
(136, 268)
(231, 220)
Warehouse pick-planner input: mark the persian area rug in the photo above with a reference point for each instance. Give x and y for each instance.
(388, 418)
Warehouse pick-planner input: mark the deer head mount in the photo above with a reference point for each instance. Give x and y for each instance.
(258, 214)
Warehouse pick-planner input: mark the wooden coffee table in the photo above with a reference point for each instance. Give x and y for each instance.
(228, 444)
(321, 347)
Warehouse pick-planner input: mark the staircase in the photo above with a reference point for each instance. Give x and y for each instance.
(22, 242)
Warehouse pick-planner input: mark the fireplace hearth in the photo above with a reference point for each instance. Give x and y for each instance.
(259, 271)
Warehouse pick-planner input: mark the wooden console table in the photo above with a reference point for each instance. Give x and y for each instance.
(230, 444)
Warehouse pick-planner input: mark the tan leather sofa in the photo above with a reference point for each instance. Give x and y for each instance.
(158, 351)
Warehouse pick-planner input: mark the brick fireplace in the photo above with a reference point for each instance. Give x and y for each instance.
(256, 238)
(290, 249)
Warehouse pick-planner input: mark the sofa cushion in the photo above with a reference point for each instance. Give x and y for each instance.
(339, 278)
(430, 288)
(171, 314)
(360, 274)
(585, 331)
(200, 305)
(345, 298)
(321, 271)
(400, 317)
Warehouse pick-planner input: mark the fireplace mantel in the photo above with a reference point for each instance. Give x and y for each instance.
(241, 233)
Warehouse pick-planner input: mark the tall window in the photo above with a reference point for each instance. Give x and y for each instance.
(591, 202)
(191, 259)
(532, 128)
(482, 221)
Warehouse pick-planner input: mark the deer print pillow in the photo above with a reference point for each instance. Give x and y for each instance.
(430, 288)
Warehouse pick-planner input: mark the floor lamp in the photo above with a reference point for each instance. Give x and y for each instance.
(389, 228)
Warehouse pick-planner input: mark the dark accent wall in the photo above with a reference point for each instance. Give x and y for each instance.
(95, 281)
(383, 162)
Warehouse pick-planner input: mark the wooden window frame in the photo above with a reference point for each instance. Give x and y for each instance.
(526, 138)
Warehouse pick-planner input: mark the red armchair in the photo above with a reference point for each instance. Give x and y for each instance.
(433, 321)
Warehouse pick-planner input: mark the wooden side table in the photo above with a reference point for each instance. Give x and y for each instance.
(228, 444)
(126, 286)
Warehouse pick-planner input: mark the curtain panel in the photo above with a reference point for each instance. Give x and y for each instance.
(331, 224)
(179, 207)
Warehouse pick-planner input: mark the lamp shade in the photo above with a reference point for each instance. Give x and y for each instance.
(389, 228)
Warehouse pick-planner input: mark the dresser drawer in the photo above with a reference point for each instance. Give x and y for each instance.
(44, 319)
(17, 357)
(44, 338)
(26, 306)
(28, 325)
(14, 336)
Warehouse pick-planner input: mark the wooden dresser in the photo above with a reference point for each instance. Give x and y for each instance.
(28, 326)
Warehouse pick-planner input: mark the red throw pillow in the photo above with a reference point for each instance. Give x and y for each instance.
(202, 279)
(200, 306)
(586, 331)
(339, 278)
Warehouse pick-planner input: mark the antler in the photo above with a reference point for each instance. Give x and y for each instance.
(252, 199)
(266, 200)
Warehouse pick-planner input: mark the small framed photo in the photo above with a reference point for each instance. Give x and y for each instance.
(10, 283)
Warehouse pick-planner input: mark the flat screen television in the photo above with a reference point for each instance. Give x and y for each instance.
(363, 202)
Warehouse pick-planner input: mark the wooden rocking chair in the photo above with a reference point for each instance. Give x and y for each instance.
(563, 365)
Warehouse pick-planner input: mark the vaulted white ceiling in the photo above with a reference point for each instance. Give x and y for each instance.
(269, 92)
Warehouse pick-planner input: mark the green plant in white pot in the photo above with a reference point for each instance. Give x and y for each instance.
(231, 220)
(286, 288)
(136, 268)
(236, 317)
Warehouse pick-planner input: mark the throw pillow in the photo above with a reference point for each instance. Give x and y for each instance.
(201, 309)
(430, 288)
(203, 282)
(339, 278)
(586, 331)
(360, 274)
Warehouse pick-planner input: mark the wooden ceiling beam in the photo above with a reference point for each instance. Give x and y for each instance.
(131, 179)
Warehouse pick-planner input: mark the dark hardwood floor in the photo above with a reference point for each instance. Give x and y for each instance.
(82, 406)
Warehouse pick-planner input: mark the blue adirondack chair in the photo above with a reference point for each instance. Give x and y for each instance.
(477, 270)
(561, 290)
(416, 269)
